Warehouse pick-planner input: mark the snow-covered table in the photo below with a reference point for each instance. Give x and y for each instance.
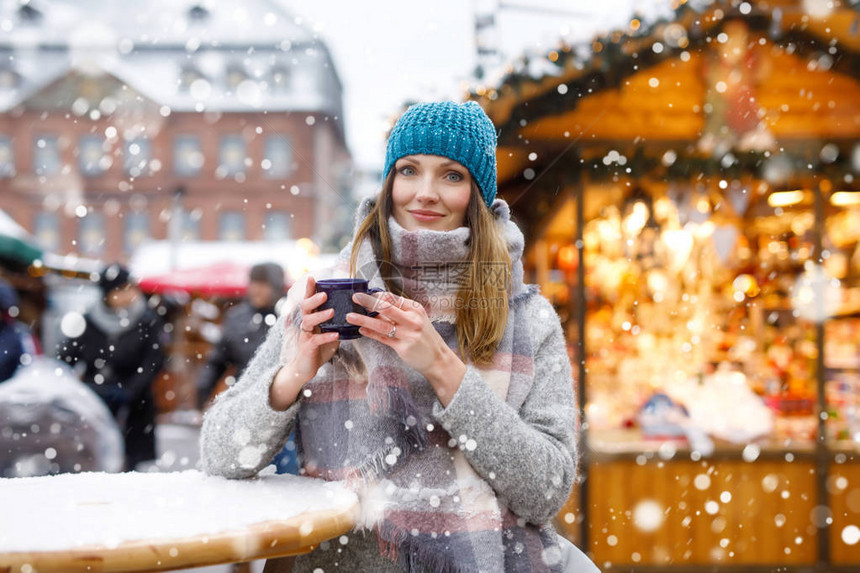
(163, 521)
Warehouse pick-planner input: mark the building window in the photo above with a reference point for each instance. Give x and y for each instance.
(138, 154)
(231, 226)
(188, 76)
(191, 225)
(198, 13)
(278, 162)
(279, 80)
(231, 156)
(7, 157)
(91, 234)
(92, 160)
(46, 155)
(9, 79)
(46, 228)
(235, 76)
(136, 230)
(277, 226)
(187, 155)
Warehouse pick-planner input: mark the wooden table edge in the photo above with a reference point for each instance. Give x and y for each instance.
(291, 536)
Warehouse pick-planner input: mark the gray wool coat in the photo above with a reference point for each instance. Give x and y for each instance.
(527, 449)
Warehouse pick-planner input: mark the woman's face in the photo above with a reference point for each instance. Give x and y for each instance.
(430, 192)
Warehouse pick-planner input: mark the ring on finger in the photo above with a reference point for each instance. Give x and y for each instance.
(392, 331)
(400, 304)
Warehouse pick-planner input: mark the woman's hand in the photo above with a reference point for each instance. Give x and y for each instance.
(314, 349)
(403, 325)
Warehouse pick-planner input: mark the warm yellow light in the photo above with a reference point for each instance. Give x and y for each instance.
(680, 245)
(785, 198)
(568, 257)
(635, 221)
(553, 56)
(308, 246)
(704, 230)
(746, 284)
(845, 198)
(635, 24)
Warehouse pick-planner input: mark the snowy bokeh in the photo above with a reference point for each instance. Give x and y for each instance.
(816, 296)
(73, 325)
(851, 535)
(648, 515)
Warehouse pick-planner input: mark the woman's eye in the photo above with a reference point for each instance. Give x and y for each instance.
(454, 177)
(407, 170)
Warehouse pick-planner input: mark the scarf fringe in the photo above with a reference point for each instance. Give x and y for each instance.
(374, 466)
(394, 399)
(401, 547)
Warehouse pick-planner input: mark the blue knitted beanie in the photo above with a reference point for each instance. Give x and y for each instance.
(458, 131)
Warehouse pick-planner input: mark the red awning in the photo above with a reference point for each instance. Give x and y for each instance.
(218, 279)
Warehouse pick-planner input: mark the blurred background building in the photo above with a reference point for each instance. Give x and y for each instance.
(116, 116)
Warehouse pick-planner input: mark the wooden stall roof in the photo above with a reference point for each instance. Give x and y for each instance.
(665, 103)
(626, 90)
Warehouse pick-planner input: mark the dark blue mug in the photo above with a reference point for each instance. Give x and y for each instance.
(339, 297)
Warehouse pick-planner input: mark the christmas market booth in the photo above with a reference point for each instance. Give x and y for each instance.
(690, 198)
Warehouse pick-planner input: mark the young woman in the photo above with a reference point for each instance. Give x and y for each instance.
(454, 413)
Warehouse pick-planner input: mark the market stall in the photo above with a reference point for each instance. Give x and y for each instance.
(18, 251)
(689, 191)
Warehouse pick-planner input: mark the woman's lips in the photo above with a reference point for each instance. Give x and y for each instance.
(426, 215)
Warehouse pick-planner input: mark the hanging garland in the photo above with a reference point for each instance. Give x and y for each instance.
(670, 165)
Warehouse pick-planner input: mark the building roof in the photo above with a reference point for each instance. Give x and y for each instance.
(105, 23)
(159, 47)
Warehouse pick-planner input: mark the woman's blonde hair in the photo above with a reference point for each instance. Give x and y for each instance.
(482, 299)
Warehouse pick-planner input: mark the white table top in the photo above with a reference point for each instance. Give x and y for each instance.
(163, 521)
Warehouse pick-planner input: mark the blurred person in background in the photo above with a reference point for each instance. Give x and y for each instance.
(244, 328)
(16, 340)
(120, 352)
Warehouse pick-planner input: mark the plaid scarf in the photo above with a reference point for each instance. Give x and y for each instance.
(421, 496)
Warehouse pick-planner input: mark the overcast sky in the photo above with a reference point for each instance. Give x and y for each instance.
(391, 51)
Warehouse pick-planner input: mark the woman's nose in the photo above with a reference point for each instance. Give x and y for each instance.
(427, 190)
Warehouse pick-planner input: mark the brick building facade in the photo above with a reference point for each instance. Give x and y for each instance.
(110, 116)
